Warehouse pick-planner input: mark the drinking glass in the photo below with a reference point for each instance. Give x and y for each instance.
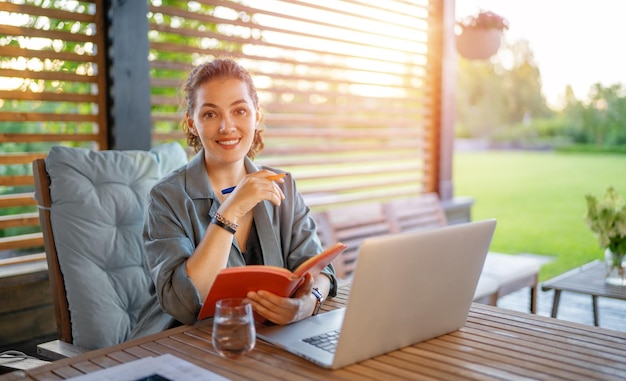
(234, 334)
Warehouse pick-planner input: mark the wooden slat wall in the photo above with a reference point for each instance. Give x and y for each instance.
(52, 91)
(351, 90)
(349, 87)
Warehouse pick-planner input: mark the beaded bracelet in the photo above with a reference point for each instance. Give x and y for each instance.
(222, 222)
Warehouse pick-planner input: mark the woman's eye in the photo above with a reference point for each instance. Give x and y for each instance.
(209, 115)
(241, 112)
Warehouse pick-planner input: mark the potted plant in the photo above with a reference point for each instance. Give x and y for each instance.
(607, 219)
(480, 35)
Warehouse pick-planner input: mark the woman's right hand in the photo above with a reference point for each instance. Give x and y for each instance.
(252, 189)
(211, 255)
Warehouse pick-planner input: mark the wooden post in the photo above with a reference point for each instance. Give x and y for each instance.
(129, 73)
(448, 103)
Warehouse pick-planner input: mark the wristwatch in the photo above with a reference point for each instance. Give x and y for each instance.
(320, 299)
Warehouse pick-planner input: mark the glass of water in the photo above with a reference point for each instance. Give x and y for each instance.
(234, 334)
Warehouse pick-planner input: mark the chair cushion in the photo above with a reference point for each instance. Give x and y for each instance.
(487, 285)
(509, 268)
(98, 202)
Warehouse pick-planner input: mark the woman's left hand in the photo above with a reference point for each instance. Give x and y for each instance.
(281, 310)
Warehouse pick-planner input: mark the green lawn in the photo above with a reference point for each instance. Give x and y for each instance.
(538, 200)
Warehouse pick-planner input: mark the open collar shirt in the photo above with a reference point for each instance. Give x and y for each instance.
(179, 210)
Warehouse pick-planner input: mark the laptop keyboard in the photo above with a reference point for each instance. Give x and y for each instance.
(326, 341)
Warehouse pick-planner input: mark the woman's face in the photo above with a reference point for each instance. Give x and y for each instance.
(224, 119)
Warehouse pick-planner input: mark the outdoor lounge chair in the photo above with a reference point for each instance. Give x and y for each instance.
(91, 207)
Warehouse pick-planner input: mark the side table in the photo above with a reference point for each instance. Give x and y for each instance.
(587, 279)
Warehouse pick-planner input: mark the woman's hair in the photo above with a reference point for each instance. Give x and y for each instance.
(219, 68)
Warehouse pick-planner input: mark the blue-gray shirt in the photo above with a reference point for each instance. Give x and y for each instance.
(177, 216)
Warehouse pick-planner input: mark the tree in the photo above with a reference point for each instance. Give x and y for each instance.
(601, 121)
(481, 100)
(499, 94)
(523, 85)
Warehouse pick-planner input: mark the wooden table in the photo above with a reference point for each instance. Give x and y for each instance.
(587, 279)
(494, 344)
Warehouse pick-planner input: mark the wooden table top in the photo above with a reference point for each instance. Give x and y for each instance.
(587, 279)
(494, 344)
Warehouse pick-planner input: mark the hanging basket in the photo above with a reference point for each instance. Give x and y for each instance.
(478, 44)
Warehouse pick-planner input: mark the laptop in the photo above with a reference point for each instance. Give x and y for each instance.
(406, 288)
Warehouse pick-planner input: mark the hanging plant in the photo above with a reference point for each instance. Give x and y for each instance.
(481, 35)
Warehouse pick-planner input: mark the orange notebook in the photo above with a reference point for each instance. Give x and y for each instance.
(236, 282)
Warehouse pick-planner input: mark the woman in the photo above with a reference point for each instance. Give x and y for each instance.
(193, 229)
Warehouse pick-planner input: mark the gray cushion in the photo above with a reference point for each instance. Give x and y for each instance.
(98, 202)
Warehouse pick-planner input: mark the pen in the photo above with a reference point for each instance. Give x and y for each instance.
(272, 178)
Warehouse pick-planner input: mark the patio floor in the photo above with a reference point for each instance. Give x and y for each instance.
(573, 307)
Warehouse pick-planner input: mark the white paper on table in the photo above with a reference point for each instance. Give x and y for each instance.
(162, 368)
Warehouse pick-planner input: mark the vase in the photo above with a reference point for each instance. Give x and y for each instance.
(615, 265)
(478, 44)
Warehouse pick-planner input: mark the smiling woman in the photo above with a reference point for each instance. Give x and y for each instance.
(192, 228)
